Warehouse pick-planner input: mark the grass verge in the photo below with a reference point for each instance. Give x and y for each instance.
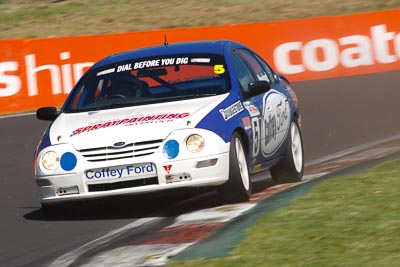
(351, 220)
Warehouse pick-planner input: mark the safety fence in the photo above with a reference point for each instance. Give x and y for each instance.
(41, 72)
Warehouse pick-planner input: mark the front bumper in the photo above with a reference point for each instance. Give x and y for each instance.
(91, 180)
(185, 173)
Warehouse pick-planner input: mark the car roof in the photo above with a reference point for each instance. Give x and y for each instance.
(215, 47)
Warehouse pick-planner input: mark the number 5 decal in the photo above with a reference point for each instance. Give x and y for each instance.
(219, 69)
(256, 136)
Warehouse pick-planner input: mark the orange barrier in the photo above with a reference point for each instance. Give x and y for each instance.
(40, 72)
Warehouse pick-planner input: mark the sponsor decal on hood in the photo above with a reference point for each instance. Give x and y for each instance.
(132, 120)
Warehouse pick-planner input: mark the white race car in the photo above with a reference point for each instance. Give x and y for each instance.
(173, 116)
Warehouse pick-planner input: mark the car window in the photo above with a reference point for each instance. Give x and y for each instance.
(254, 64)
(267, 68)
(243, 73)
(150, 80)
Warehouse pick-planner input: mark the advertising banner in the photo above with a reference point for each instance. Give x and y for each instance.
(41, 72)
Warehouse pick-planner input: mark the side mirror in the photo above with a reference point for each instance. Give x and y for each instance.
(259, 87)
(282, 77)
(47, 113)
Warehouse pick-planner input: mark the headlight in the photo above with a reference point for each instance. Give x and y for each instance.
(195, 143)
(50, 160)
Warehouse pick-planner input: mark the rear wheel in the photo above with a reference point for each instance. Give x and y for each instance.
(238, 188)
(291, 169)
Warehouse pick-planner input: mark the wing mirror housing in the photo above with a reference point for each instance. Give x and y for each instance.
(259, 87)
(47, 113)
(283, 77)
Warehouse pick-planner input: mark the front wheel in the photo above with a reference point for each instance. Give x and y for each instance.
(291, 169)
(238, 188)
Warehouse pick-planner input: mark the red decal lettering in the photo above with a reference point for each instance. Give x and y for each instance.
(77, 131)
(183, 115)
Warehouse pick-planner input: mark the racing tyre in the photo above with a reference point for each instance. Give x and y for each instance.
(291, 169)
(238, 188)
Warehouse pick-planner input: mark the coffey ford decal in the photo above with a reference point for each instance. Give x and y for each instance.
(129, 121)
(121, 172)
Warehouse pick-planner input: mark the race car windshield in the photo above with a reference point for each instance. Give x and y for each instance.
(150, 80)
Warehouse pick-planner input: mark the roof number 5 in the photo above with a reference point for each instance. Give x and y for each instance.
(219, 69)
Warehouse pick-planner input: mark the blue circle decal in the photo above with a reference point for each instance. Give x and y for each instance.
(171, 149)
(68, 161)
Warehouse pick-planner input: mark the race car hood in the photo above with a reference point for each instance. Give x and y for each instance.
(129, 125)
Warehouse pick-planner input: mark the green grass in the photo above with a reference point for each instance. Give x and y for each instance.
(42, 18)
(346, 221)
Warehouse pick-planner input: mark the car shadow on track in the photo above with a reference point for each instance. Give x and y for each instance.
(127, 207)
(171, 203)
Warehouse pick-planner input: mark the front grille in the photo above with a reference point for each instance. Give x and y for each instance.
(127, 151)
(120, 185)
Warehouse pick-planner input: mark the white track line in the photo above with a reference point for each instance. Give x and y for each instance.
(352, 150)
(16, 115)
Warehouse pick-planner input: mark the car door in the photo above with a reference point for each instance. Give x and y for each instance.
(269, 111)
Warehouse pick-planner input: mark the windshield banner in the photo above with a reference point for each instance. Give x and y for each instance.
(41, 72)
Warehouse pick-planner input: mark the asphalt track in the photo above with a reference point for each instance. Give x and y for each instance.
(337, 114)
